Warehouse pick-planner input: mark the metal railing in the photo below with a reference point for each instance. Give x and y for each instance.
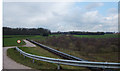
(70, 62)
(62, 54)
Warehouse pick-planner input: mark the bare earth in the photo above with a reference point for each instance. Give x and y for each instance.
(8, 63)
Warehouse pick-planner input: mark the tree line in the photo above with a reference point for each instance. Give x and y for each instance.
(80, 33)
(26, 31)
(45, 32)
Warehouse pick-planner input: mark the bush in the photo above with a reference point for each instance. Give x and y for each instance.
(89, 45)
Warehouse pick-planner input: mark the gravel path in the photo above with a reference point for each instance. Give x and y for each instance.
(8, 63)
(28, 44)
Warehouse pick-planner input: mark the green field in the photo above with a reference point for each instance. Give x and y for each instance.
(86, 47)
(58, 40)
(11, 40)
(92, 36)
(98, 36)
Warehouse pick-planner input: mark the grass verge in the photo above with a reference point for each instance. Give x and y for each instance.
(38, 51)
(13, 54)
(98, 57)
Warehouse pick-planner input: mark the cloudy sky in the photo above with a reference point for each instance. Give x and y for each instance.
(62, 16)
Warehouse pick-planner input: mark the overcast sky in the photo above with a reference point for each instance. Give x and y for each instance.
(62, 16)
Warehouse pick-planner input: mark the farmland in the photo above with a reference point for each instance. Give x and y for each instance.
(98, 36)
(12, 41)
(88, 47)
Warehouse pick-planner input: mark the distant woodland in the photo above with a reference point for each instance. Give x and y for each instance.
(45, 32)
(25, 31)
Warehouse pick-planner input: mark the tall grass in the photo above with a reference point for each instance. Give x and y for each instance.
(96, 49)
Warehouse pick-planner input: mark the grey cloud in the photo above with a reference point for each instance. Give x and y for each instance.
(94, 5)
(55, 16)
(113, 11)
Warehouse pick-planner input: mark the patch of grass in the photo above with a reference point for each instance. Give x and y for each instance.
(38, 37)
(15, 55)
(12, 42)
(55, 35)
(39, 51)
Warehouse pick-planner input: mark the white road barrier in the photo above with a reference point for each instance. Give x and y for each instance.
(70, 62)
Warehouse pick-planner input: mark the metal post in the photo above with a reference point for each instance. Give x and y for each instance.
(58, 66)
(24, 56)
(20, 53)
(33, 59)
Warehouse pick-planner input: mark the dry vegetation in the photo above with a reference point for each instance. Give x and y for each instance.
(96, 49)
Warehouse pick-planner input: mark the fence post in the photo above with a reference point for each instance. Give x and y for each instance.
(58, 65)
(24, 56)
(33, 59)
(20, 53)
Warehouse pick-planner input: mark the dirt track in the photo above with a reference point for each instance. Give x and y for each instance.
(8, 63)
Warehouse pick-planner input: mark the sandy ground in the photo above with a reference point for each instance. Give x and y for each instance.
(8, 63)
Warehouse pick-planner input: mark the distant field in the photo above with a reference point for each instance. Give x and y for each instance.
(57, 35)
(92, 36)
(11, 40)
(42, 38)
(98, 36)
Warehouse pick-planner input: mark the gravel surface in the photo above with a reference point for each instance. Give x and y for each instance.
(28, 44)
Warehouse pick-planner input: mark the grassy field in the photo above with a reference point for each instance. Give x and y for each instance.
(11, 40)
(92, 49)
(103, 56)
(98, 36)
(13, 54)
(92, 36)
(98, 57)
